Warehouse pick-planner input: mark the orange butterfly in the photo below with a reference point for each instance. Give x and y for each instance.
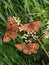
(12, 30)
(28, 48)
(31, 27)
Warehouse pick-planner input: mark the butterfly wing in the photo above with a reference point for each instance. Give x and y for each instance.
(28, 48)
(33, 47)
(36, 25)
(25, 27)
(6, 37)
(9, 35)
(12, 30)
(20, 46)
(12, 27)
(31, 27)
(13, 35)
(10, 23)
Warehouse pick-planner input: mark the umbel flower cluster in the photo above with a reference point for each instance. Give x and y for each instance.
(14, 25)
(30, 28)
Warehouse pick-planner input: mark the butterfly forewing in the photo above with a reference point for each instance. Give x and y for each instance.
(20, 46)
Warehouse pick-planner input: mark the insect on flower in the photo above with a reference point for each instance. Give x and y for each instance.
(28, 48)
(46, 33)
(31, 27)
(11, 31)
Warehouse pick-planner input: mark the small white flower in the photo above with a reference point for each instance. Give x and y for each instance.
(17, 20)
(46, 33)
(29, 41)
(32, 35)
(20, 29)
(25, 34)
(35, 37)
(26, 40)
(47, 26)
(35, 33)
(24, 37)
(48, 22)
(28, 33)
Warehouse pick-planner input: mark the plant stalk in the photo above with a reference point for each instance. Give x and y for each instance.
(43, 47)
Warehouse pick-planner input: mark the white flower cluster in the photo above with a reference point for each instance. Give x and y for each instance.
(29, 37)
(17, 20)
(46, 32)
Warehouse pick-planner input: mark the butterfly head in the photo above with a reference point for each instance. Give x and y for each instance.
(10, 20)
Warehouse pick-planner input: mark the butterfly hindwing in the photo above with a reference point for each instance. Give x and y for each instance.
(6, 37)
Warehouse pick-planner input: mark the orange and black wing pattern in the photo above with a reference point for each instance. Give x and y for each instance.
(28, 48)
(11, 31)
(31, 27)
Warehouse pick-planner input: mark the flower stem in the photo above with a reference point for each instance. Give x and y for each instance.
(43, 47)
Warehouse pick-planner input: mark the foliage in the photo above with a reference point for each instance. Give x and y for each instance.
(26, 10)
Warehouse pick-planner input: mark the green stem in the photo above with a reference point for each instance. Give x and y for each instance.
(43, 47)
(43, 62)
